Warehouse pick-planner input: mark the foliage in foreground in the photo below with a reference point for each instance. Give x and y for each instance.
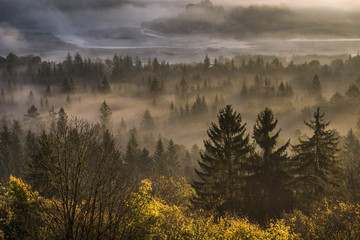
(23, 217)
(327, 220)
(20, 212)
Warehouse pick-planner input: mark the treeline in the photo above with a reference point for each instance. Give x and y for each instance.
(31, 69)
(250, 79)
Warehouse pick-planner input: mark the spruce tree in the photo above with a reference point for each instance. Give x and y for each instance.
(146, 162)
(188, 166)
(147, 122)
(32, 112)
(216, 104)
(105, 115)
(16, 148)
(31, 99)
(62, 122)
(267, 194)
(244, 91)
(172, 114)
(183, 87)
(68, 63)
(123, 125)
(78, 64)
(160, 163)
(207, 62)
(281, 92)
(156, 64)
(104, 86)
(221, 174)
(172, 159)
(5, 152)
(315, 87)
(155, 86)
(315, 163)
(132, 155)
(36, 169)
(67, 86)
(351, 165)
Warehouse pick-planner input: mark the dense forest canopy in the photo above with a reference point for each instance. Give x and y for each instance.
(251, 147)
(172, 119)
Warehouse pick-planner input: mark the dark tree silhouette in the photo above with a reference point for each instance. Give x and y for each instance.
(267, 194)
(147, 122)
(315, 164)
(105, 115)
(351, 165)
(221, 170)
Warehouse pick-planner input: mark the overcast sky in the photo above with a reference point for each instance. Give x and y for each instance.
(336, 4)
(67, 15)
(78, 17)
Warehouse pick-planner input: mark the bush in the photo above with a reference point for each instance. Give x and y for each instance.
(327, 220)
(152, 218)
(20, 213)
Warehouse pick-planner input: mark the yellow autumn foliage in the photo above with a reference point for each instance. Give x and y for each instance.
(327, 220)
(153, 219)
(20, 215)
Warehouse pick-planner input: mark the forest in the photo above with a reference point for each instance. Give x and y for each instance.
(251, 147)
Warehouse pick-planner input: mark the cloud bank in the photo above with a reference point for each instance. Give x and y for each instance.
(78, 16)
(258, 20)
(11, 38)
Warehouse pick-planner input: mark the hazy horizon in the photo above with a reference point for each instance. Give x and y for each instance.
(170, 28)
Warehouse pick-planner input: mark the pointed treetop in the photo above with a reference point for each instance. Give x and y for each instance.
(264, 125)
(105, 115)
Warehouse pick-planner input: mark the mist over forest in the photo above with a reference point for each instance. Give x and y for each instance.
(125, 119)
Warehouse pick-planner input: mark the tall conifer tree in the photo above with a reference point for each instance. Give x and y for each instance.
(351, 165)
(221, 171)
(267, 194)
(160, 163)
(315, 165)
(105, 115)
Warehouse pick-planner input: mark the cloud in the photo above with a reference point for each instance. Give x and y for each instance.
(86, 4)
(76, 17)
(334, 4)
(258, 20)
(11, 38)
(95, 21)
(60, 15)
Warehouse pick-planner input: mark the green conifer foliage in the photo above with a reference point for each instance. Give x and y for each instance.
(221, 174)
(315, 163)
(267, 195)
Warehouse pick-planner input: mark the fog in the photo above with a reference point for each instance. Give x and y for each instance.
(123, 119)
(243, 22)
(182, 32)
(130, 96)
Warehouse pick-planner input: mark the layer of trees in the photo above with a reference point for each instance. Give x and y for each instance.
(107, 181)
(90, 189)
(261, 180)
(254, 80)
